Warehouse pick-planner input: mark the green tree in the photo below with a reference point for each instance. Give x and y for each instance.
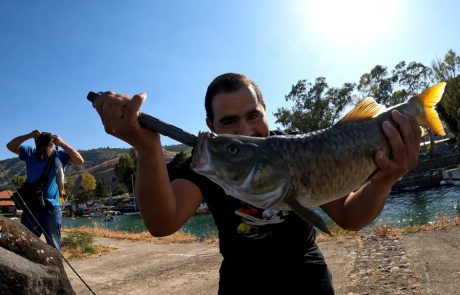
(88, 182)
(316, 106)
(378, 84)
(18, 181)
(87, 185)
(69, 187)
(179, 158)
(405, 80)
(448, 70)
(125, 169)
(69, 183)
(121, 189)
(413, 77)
(100, 192)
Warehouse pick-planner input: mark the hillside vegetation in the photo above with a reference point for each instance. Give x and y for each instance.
(99, 162)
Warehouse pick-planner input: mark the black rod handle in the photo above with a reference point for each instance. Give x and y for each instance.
(157, 125)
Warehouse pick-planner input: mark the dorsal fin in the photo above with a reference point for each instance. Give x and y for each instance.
(366, 109)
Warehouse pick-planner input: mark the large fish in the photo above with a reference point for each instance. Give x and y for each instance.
(304, 171)
(60, 179)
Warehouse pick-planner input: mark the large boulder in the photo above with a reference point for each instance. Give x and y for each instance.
(27, 264)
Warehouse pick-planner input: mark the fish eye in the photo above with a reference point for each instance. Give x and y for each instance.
(232, 149)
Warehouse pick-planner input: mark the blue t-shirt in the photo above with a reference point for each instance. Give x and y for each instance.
(35, 169)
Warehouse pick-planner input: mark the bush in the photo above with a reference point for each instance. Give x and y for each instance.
(79, 240)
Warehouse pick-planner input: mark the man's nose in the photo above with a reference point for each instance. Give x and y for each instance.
(245, 129)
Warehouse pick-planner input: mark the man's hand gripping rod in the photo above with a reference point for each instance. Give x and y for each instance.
(159, 126)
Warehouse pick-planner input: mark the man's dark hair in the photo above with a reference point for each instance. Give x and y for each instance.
(43, 140)
(227, 83)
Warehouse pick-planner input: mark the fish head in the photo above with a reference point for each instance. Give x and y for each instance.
(243, 166)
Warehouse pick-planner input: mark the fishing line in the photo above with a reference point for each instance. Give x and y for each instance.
(41, 228)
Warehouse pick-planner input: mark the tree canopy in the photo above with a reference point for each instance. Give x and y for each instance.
(318, 106)
(125, 169)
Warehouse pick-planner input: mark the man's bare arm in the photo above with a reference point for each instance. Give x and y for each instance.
(75, 157)
(14, 144)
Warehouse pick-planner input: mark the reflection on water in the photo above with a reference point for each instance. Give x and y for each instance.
(201, 225)
(129, 223)
(400, 210)
(421, 207)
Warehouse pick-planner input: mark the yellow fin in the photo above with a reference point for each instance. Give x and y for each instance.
(366, 109)
(428, 99)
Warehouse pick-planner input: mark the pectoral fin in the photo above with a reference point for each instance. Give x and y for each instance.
(308, 215)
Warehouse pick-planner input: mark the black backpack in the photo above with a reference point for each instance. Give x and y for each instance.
(32, 193)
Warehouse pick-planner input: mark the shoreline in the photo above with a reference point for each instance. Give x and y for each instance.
(337, 232)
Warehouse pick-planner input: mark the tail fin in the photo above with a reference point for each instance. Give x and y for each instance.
(428, 99)
(62, 197)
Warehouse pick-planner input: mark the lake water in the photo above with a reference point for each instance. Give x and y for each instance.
(400, 210)
(201, 225)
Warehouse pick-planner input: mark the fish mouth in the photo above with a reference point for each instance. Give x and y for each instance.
(201, 162)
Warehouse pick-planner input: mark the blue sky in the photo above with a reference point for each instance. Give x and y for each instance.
(53, 52)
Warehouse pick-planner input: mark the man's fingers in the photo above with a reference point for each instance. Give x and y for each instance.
(137, 102)
(408, 126)
(396, 142)
(410, 134)
(403, 123)
(381, 161)
(107, 113)
(118, 111)
(100, 101)
(133, 107)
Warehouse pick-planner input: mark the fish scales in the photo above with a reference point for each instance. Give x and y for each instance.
(343, 153)
(303, 171)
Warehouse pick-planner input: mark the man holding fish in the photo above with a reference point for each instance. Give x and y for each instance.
(45, 165)
(258, 198)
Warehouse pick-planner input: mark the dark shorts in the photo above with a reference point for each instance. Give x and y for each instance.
(248, 278)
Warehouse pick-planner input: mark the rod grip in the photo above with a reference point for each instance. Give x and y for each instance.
(157, 125)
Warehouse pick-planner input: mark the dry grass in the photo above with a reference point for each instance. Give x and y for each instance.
(386, 229)
(439, 224)
(337, 233)
(178, 237)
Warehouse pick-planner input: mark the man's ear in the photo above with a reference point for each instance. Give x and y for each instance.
(210, 125)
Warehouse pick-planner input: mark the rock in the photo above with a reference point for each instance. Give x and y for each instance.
(28, 265)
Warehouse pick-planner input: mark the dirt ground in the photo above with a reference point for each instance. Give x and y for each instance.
(420, 263)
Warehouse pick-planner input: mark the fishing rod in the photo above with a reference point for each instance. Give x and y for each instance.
(157, 125)
(39, 225)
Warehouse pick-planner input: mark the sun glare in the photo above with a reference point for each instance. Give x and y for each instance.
(351, 22)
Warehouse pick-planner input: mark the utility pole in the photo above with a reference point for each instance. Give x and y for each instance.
(132, 185)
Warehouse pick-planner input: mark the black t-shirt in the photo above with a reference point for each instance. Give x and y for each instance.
(257, 241)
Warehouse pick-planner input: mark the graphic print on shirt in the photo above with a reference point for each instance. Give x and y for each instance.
(258, 223)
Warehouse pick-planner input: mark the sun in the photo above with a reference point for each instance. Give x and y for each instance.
(351, 22)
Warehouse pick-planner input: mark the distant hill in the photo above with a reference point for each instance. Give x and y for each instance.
(100, 162)
(178, 148)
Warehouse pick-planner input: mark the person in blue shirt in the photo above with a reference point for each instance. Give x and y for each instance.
(36, 160)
